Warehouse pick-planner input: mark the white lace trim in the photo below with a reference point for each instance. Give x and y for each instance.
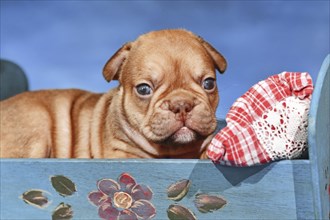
(282, 130)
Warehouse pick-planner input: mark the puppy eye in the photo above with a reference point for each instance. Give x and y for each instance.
(143, 89)
(209, 84)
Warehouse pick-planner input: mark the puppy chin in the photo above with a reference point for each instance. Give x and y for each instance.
(183, 136)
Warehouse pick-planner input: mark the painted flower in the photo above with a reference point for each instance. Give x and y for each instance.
(122, 199)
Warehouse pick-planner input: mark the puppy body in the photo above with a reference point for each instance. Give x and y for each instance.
(43, 124)
(164, 106)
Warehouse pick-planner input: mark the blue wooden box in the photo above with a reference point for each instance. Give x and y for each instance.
(296, 189)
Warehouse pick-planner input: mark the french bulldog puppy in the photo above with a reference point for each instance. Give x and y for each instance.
(164, 106)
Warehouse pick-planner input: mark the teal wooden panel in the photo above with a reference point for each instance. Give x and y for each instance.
(319, 141)
(281, 190)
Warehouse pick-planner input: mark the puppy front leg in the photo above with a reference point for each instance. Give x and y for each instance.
(204, 156)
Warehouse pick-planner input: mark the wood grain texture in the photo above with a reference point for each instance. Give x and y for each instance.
(281, 190)
(319, 141)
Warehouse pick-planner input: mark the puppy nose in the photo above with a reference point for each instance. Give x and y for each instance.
(181, 106)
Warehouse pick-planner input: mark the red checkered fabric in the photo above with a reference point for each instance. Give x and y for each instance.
(238, 143)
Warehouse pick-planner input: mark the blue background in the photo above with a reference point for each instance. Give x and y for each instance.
(64, 44)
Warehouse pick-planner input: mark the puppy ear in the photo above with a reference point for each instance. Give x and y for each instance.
(219, 61)
(112, 67)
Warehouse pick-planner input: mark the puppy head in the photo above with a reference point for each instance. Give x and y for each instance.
(168, 81)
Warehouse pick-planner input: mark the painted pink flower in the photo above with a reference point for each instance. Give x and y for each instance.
(122, 199)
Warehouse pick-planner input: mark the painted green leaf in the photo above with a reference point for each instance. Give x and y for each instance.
(63, 185)
(62, 212)
(178, 190)
(36, 197)
(176, 212)
(209, 203)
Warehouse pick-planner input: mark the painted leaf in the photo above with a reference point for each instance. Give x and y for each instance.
(209, 203)
(36, 197)
(63, 185)
(175, 212)
(62, 212)
(178, 190)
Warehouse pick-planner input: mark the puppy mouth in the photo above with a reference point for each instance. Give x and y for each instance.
(181, 128)
(180, 133)
(183, 135)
